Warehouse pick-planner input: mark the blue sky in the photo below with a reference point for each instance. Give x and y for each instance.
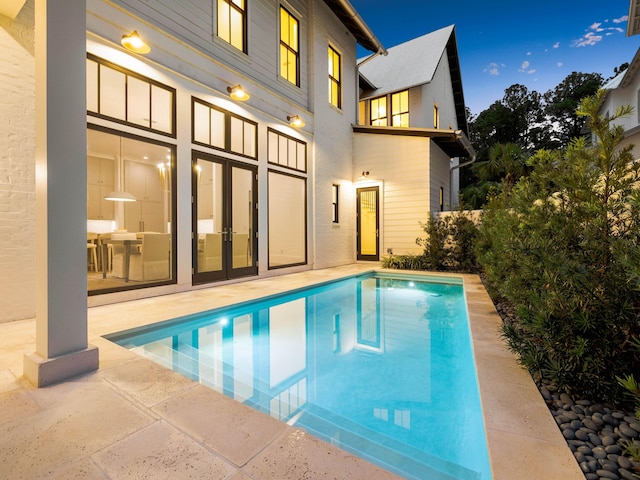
(536, 44)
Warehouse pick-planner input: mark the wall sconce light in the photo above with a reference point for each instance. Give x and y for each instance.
(238, 93)
(365, 174)
(134, 43)
(295, 121)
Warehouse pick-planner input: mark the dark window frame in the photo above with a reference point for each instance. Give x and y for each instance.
(129, 73)
(288, 47)
(244, 14)
(333, 80)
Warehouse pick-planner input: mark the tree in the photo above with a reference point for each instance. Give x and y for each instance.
(562, 103)
(507, 161)
(563, 248)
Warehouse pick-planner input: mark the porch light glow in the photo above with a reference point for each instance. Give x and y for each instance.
(238, 93)
(295, 121)
(134, 43)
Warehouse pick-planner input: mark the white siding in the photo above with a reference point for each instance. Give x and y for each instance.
(401, 165)
(334, 243)
(439, 91)
(17, 167)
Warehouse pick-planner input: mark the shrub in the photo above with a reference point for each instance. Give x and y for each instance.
(562, 247)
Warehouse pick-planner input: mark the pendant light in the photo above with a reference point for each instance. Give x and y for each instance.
(120, 195)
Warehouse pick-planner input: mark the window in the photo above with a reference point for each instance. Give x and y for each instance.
(126, 97)
(335, 189)
(287, 217)
(441, 199)
(379, 112)
(362, 108)
(217, 128)
(289, 45)
(232, 23)
(436, 116)
(335, 86)
(400, 109)
(286, 151)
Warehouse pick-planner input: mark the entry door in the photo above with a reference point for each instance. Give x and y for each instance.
(225, 219)
(368, 223)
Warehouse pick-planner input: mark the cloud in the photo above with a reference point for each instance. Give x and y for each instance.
(524, 68)
(528, 54)
(596, 32)
(559, 64)
(556, 45)
(494, 68)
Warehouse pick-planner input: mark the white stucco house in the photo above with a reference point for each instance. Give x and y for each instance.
(135, 171)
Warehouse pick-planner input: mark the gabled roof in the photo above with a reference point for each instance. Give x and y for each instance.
(414, 63)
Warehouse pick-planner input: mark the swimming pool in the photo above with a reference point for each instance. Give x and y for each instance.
(380, 365)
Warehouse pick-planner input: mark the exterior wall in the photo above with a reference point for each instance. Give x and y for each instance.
(440, 177)
(17, 167)
(439, 91)
(400, 165)
(629, 95)
(334, 243)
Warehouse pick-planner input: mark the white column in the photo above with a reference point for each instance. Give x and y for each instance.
(62, 349)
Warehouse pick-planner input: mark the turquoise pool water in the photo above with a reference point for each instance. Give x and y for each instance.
(380, 365)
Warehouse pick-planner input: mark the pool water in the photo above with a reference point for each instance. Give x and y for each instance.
(379, 365)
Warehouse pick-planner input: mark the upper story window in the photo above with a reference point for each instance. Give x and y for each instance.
(126, 97)
(400, 109)
(335, 79)
(232, 23)
(289, 47)
(378, 112)
(436, 116)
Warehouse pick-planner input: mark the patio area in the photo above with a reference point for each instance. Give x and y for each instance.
(135, 419)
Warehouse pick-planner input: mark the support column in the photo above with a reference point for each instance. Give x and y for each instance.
(62, 349)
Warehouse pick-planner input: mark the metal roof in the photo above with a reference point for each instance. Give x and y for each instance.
(414, 63)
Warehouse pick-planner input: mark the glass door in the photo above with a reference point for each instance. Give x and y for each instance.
(224, 219)
(368, 223)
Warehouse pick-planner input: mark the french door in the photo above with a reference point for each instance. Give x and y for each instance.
(368, 227)
(225, 219)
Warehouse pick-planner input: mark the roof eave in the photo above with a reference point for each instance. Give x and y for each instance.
(351, 19)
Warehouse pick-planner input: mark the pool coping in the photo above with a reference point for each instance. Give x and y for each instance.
(523, 439)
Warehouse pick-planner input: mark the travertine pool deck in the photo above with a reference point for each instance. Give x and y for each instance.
(133, 419)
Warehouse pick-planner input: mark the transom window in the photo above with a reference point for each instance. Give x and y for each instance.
(232, 23)
(287, 151)
(217, 128)
(126, 97)
(289, 47)
(335, 85)
(400, 109)
(379, 112)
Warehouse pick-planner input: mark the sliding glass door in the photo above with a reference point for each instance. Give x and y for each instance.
(224, 219)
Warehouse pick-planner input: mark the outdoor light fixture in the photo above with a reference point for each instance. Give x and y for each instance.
(134, 43)
(238, 93)
(365, 174)
(120, 195)
(295, 121)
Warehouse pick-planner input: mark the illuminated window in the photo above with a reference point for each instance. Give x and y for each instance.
(286, 151)
(400, 109)
(335, 86)
(289, 46)
(441, 199)
(436, 116)
(362, 108)
(378, 112)
(232, 23)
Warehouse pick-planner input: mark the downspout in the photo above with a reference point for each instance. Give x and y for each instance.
(472, 158)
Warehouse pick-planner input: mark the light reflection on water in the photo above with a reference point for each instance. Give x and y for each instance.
(382, 367)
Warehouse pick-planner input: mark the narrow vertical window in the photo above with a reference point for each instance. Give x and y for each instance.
(335, 190)
(232, 23)
(335, 86)
(400, 109)
(362, 108)
(379, 112)
(441, 199)
(289, 47)
(436, 116)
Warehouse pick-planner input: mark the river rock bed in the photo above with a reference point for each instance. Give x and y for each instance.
(596, 434)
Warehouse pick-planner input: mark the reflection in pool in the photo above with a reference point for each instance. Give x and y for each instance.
(380, 365)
